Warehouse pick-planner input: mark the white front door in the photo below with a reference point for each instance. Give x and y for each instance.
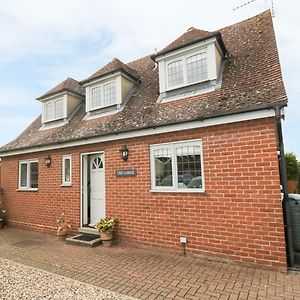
(97, 189)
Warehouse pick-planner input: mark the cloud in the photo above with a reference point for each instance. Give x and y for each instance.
(61, 38)
(12, 96)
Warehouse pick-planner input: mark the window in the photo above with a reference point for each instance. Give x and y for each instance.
(175, 73)
(109, 93)
(28, 175)
(177, 166)
(103, 95)
(54, 110)
(196, 68)
(188, 69)
(66, 170)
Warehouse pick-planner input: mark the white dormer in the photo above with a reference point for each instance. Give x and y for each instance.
(54, 109)
(59, 107)
(60, 103)
(190, 69)
(108, 90)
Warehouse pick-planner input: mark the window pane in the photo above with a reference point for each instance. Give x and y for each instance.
(49, 111)
(109, 94)
(67, 166)
(58, 108)
(96, 96)
(175, 73)
(189, 167)
(196, 68)
(163, 167)
(23, 174)
(33, 175)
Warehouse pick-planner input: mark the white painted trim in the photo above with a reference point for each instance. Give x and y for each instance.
(63, 159)
(82, 174)
(183, 50)
(172, 146)
(60, 94)
(63, 99)
(27, 162)
(240, 117)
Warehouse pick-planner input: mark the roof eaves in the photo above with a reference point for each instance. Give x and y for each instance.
(280, 104)
(135, 78)
(216, 34)
(58, 92)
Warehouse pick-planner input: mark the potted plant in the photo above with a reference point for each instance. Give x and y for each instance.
(62, 225)
(3, 218)
(106, 227)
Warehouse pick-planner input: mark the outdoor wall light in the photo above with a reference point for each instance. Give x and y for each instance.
(47, 161)
(124, 152)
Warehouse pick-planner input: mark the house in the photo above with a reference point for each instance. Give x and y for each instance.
(180, 143)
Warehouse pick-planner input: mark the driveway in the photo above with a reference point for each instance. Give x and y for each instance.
(146, 273)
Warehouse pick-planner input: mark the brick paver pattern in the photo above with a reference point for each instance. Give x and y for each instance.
(147, 273)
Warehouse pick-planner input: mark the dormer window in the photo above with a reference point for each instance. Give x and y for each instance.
(103, 95)
(108, 89)
(188, 69)
(60, 103)
(54, 110)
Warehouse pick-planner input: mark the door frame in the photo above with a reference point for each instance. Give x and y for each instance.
(83, 173)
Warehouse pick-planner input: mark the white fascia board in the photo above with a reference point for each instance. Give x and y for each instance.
(186, 49)
(240, 117)
(102, 79)
(59, 95)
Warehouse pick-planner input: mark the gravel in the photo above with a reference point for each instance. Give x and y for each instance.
(18, 281)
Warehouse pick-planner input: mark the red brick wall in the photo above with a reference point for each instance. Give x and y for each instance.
(238, 217)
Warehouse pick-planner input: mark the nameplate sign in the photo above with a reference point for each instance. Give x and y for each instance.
(132, 172)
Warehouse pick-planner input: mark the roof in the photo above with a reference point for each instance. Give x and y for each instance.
(251, 81)
(191, 36)
(68, 84)
(114, 66)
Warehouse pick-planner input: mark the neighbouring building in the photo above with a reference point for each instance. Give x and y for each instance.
(180, 143)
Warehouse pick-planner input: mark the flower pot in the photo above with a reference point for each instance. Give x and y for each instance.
(106, 243)
(62, 231)
(106, 238)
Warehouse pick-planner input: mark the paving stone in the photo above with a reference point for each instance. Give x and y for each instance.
(146, 273)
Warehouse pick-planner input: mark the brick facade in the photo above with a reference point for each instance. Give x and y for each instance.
(239, 216)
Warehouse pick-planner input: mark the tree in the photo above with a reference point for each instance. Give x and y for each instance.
(298, 187)
(292, 166)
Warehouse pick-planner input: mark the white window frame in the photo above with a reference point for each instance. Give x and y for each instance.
(102, 100)
(173, 146)
(64, 158)
(55, 117)
(211, 47)
(28, 183)
(183, 58)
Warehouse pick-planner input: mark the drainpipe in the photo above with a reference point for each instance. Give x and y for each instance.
(285, 200)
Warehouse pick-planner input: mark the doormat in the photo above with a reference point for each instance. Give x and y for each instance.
(84, 239)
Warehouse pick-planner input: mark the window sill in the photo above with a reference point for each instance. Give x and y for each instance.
(66, 185)
(27, 190)
(178, 191)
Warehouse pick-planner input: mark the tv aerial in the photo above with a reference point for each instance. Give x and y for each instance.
(251, 1)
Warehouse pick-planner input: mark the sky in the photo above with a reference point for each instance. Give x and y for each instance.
(44, 42)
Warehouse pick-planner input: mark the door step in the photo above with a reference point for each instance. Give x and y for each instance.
(84, 239)
(88, 230)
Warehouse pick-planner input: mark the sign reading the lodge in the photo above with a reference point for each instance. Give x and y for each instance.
(132, 172)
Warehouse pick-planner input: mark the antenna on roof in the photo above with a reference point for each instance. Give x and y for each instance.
(251, 1)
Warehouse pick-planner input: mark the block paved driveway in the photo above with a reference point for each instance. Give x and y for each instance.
(146, 273)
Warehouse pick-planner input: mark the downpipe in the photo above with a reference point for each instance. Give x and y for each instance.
(284, 185)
